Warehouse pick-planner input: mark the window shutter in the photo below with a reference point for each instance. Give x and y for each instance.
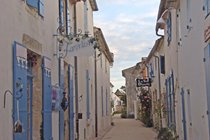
(47, 99)
(167, 100)
(41, 7)
(162, 64)
(20, 88)
(32, 3)
(169, 28)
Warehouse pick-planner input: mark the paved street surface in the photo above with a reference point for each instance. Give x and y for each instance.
(129, 129)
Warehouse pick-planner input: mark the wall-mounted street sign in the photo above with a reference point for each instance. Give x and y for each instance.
(140, 82)
(83, 47)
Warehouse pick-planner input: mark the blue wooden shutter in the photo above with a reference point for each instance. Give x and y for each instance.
(61, 112)
(169, 28)
(20, 77)
(87, 95)
(71, 104)
(47, 99)
(61, 11)
(167, 100)
(170, 101)
(41, 7)
(173, 99)
(183, 114)
(32, 3)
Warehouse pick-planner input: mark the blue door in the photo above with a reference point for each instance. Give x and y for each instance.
(20, 107)
(207, 70)
(47, 99)
(183, 114)
(71, 104)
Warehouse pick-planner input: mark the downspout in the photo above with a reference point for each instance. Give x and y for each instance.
(66, 13)
(96, 98)
(159, 89)
(59, 65)
(75, 19)
(76, 76)
(76, 97)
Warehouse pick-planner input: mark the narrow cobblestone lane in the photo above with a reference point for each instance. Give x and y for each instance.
(129, 129)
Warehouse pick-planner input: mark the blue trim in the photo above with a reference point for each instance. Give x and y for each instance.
(61, 11)
(32, 3)
(41, 7)
(173, 97)
(183, 114)
(19, 74)
(47, 101)
(169, 29)
(168, 103)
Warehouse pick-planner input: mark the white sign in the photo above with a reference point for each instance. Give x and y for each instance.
(83, 47)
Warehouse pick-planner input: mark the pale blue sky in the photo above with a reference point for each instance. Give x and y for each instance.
(129, 29)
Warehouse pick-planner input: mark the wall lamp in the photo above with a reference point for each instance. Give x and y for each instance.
(161, 21)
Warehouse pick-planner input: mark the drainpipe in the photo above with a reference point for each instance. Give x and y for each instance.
(75, 19)
(96, 103)
(159, 87)
(76, 97)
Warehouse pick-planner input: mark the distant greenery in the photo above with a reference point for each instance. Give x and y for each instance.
(167, 134)
(124, 113)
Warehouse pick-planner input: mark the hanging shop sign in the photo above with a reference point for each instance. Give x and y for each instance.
(81, 47)
(56, 99)
(140, 82)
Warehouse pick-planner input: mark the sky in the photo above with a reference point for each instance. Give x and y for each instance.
(129, 30)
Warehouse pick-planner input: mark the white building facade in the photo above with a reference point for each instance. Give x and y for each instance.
(49, 93)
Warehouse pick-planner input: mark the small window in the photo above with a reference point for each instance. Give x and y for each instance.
(38, 4)
(207, 7)
(162, 64)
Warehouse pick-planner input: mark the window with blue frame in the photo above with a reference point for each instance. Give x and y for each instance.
(207, 7)
(169, 28)
(38, 4)
(64, 17)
